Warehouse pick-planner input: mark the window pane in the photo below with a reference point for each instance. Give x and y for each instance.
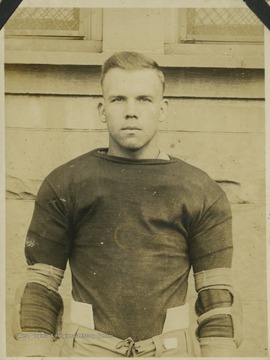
(47, 21)
(223, 25)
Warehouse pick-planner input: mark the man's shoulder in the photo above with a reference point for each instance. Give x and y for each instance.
(194, 177)
(189, 170)
(74, 167)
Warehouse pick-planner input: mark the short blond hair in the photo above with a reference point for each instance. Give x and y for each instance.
(130, 60)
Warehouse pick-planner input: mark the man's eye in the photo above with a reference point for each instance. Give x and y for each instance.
(117, 99)
(145, 99)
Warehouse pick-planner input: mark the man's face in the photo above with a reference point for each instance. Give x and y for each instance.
(133, 105)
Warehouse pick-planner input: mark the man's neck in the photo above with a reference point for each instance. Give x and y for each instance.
(160, 155)
(150, 152)
(135, 154)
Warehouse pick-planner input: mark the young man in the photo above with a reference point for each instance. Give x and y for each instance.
(131, 220)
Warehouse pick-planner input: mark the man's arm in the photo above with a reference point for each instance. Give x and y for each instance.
(217, 306)
(39, 306)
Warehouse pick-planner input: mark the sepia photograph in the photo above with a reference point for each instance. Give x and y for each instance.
(135, 180)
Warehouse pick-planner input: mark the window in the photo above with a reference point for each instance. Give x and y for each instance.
(233, 25)
(213, 25)
(197, 37)
(72, 23)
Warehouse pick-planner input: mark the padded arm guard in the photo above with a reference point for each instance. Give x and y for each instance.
(37, 316)
(218, 309)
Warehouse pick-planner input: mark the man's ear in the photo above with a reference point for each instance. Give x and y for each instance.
(163, 110)
(101, 110)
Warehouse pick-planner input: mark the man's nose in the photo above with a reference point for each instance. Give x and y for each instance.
(131, 109)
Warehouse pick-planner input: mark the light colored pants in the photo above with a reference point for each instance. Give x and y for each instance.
(85, 341)
(92, 343)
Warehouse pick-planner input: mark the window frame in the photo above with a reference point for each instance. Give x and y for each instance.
(186, 36)
(46, 32)
(175, 53)
(89, 21)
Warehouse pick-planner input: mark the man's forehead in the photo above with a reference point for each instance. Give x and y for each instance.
(117, 78)
(126, 73)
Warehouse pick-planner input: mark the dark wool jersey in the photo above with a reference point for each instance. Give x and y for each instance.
(131, 230)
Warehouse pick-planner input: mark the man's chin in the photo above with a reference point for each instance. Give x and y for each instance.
(132, 146)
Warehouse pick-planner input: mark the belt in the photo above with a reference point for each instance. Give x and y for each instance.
(92, 343)
(172, 338)
(177, 318)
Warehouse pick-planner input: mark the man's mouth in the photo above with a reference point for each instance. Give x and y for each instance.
(130, 128)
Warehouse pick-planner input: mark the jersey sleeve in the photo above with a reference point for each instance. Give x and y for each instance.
(211, 244)
(39, 306)
(50, 233)
(211, 250)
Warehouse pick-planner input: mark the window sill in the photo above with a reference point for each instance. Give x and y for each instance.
(218, 55)
(86, 52)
